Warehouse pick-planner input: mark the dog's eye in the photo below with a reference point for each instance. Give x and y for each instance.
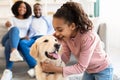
(55, 39)
(46, 40)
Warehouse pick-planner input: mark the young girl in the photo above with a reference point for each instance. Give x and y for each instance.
(18, 29)
(74, 30)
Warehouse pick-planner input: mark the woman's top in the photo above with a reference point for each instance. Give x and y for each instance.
(22, 24)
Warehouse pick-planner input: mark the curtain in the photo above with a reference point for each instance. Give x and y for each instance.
(97, 8)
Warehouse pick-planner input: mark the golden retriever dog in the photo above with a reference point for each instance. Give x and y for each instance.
(46, 48)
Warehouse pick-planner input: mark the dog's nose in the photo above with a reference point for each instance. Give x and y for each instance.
(57, 46)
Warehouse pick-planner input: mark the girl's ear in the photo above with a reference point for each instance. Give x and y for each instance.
(73, 27)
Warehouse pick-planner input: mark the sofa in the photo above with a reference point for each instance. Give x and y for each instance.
(3, 30)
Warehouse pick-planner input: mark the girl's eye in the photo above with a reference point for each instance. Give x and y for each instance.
(60, 30)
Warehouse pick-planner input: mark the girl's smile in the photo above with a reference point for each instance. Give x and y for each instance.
(63, 30)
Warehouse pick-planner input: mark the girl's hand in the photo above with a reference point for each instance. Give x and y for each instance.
(8, 24)
(48, 67)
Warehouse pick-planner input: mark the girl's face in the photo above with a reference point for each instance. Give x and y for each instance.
(22, 9)
(63, 30)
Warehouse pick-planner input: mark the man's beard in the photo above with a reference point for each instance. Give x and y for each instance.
(38, 16)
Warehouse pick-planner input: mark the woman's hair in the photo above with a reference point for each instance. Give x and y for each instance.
(73, 12)
(16, 6)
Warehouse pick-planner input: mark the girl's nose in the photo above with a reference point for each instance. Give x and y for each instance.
(56, 35)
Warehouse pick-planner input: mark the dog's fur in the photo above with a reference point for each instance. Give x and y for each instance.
(42, 46)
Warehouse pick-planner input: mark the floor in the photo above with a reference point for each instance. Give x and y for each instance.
(115, 58)
(20, 68)
(20, 71)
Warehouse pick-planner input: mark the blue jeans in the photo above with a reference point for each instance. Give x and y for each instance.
(24, 47)
(10, 40)
(106, 74)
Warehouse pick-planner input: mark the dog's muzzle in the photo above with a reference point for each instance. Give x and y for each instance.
(57, 46)
(52, 55)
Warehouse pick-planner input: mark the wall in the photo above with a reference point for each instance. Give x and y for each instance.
(5, 7)
(109, 11)
(49, 6)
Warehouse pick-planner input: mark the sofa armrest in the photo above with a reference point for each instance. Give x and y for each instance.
(3, 31)
(102, 32)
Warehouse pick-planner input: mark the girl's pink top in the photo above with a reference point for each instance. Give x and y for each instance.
(88, 51)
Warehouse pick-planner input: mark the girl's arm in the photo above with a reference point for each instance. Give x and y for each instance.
(65, 52)
(88, 45)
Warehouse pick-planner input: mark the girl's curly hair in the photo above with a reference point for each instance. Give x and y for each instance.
(73, 12)
(16, 6)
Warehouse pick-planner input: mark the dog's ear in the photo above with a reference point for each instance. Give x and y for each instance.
(34, 50)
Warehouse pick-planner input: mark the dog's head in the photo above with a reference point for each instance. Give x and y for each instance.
(45, 47)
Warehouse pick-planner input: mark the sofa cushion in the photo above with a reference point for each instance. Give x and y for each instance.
(3, 30)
